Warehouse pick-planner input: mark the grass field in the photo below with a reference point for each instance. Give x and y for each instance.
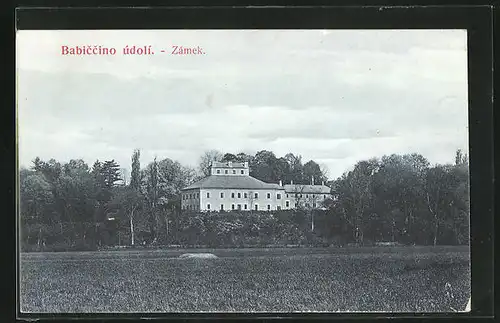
(403, 279)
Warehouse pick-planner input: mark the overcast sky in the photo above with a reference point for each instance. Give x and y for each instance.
(336, 97)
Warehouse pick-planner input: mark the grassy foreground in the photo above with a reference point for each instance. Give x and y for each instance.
(275, 280)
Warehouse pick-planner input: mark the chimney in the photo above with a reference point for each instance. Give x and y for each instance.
(291, 182)
(230, 163)
(312, 180)
(281, 183)
(323, 183)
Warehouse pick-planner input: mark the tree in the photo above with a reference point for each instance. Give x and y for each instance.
(313, 171)
(36, 199)
(242, 157)
(229, 157)
(356, 196)
(460, 158)
(206, 161)
(398, 190)
(151, 194)
(130, 197)
(110, 171)
(265, 167)
(161, 187)
(128, 202)
(435, 181)
(135, 176)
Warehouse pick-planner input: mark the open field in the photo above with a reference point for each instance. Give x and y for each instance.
(402, 279)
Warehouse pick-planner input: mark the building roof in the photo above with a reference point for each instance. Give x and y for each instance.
(229, 165)
(236, 182)
(311, 189)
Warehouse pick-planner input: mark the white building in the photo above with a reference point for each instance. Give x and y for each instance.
(230, 187)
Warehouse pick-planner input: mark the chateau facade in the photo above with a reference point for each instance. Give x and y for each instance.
(230, 187)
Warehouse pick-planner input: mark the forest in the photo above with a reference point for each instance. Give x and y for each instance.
(394, 198)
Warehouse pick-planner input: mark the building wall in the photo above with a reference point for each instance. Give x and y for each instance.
(307, 200)
(230, 170)
(190, 199)
(262, 201)
(197, 199)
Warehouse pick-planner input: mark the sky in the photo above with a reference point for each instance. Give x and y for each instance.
(333, 96)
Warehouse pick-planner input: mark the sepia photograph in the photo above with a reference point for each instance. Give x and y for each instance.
(243, 171)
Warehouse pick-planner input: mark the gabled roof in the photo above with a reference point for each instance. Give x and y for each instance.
(236, 182)
(311, 189)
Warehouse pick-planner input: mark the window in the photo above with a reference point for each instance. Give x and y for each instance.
(314, 204)
(268, 195)
(269, 207)
(232, 195)
(208, 206)
(324, 196)
(256, 195)
(239, 206)
(221, 195)
(242, 171)
(218, 171)
(287, 203)
(278, 208)
(300, 195)
(256, 207)
(307, 204)
(245, 195)
(222, 207)
(197, 195)
(296, 204)
(278, 196)
(225, 172)
(296, 195)
(232, 206)
(208, 195)
(239, 195)
(245, 206)
(190, 196)
(307, 196)
(287, 196)
(234, 171)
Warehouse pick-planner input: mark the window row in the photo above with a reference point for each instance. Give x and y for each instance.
(227, 171)
(307, 195)
(191, 196)
(243, 207)
(245, 195)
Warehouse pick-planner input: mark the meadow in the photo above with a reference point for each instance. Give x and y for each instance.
(389, 279)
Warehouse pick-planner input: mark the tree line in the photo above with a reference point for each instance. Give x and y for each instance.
(398, 198)
(267, 167)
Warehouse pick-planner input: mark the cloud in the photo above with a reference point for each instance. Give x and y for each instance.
(335, 97)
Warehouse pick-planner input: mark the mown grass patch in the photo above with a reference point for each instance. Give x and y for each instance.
(363, 281)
